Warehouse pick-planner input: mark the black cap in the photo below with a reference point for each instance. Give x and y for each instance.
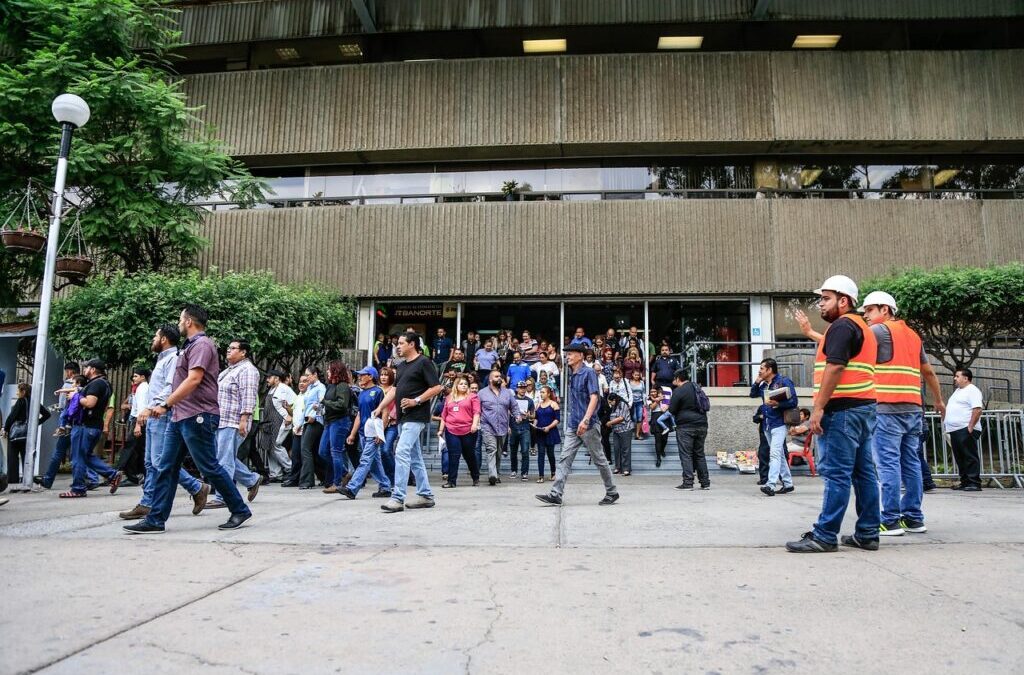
(575, 346)
(98, 364)
(276, 373)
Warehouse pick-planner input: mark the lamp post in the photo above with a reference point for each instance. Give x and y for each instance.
(72, 112)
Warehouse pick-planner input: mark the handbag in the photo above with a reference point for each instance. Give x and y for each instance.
(19, 431)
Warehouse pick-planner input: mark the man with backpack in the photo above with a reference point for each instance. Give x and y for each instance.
(689, 407)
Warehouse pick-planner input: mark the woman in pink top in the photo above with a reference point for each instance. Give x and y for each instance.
(387, 453)
(460, 422)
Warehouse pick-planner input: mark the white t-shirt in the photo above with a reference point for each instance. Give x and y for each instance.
(550, 368)
(140, 399)
(282, 394)
(959, 407)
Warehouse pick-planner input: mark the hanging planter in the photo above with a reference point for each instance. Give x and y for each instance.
(74, 263)
(22, 231)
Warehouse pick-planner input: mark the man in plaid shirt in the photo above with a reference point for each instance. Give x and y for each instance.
(237, 393)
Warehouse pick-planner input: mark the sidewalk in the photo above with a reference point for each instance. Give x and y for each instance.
(492, 581)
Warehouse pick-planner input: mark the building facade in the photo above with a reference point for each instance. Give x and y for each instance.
(679, 167)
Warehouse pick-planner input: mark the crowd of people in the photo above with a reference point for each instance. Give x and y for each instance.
(501, 397)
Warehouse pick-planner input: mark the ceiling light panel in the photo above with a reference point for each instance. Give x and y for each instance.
(544, 46)
(816, 41)
(680, 41)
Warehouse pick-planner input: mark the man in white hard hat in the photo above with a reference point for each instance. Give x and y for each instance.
(844, 421)
(901, 365)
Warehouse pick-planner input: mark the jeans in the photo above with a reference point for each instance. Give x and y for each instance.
(690, 442)
(764, 454)
(897, 441)
(228, 441)
(778, 466)
(310, 445)
(369, 463)
(965, 452)
(156, 430)
(387, 452)
(549, 450)
(519, 446)
(622, 450)
(844, 457)
(83, 440)
(198, 434)
(409, 457)
(637, 409)
(491, 443)
(591, 439)
(60, 452)
(464, 445)
(332, 450)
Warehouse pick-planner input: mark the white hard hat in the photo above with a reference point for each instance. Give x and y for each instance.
(879, 298)
(840, 284)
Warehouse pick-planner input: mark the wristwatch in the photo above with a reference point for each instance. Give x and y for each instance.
(417, 399)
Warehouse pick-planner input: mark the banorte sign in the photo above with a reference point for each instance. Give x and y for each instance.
(447, 310)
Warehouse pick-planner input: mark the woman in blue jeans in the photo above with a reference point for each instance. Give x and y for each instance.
(387, 453)
(337, 425)
(546, 424)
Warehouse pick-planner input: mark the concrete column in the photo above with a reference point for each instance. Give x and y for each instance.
(762, 328)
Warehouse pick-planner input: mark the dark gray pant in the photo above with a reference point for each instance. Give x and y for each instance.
(310, 446)
(691, 454)
(622, 447)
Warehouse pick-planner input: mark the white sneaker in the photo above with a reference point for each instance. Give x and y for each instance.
(419, 502)
(392, 506)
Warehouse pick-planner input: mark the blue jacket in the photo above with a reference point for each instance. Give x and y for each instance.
(773, 415)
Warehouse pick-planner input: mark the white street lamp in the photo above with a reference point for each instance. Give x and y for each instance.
(72, 112)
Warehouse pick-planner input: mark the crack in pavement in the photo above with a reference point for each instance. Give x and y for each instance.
(132, 627)
(200, 660)
(489, 633)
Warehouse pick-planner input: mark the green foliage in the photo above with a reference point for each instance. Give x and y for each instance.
(143, 155)
(958, 310)
(288, 326)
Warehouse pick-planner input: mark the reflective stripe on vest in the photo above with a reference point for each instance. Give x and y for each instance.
(899, 380)
(857, 380)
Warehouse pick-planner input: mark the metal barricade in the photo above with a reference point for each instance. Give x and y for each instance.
(1001, 447)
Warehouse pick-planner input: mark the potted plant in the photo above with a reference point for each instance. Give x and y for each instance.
(22, 231)
(74, 263)
(509, 188)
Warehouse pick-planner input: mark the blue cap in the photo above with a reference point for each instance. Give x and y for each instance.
(371, 371)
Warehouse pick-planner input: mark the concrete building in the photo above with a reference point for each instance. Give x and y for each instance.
(677, 166)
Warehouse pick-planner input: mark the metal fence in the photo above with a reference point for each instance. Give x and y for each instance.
(1001, 447)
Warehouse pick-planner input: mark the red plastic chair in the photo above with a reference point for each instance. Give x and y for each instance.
(807, 453)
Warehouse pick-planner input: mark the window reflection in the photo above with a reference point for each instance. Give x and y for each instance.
(606, 179)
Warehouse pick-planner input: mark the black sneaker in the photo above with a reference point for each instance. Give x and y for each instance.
(808, 544)
(550, 499)
(609, 499)
(348, 493)
(911, 525)
(768, 490)
(867, 544)
(930, 488)
(381, 494)
(786, 490)
(492, 481)
(892, 529)
(685, 486)
(143, 528)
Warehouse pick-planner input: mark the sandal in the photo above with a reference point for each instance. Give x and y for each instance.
(72, 495)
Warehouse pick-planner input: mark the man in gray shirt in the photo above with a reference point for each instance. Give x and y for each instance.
(497, 404)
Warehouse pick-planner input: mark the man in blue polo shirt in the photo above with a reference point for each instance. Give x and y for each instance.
(581, 428)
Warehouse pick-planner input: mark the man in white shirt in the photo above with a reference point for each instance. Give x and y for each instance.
(963, 424)
(544, 365)
(283, 398)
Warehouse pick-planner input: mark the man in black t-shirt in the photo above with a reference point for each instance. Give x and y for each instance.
(93, 399)
(415, 384)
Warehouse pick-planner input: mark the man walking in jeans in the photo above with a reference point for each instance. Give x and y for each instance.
(237, 391)
(843, 419)
(84, 436)
(195, 417)
(581, 428)
(415, 384)
(691, 431)
(901, 366)
(165, 345)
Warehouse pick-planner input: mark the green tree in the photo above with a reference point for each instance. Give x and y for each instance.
(957, 310)
(288, 326)
(143, 156)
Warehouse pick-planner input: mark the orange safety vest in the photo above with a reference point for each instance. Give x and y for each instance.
(858, 378)
(899, 380)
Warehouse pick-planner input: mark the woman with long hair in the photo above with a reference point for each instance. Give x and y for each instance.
(460, 424)
(633, 362)
(546, 427)
(608, 361)
(637, 392)
(16, 430)
(387, 453)
(337, 425)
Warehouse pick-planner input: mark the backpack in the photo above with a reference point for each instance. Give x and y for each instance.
(75, 412)
(703, 402)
